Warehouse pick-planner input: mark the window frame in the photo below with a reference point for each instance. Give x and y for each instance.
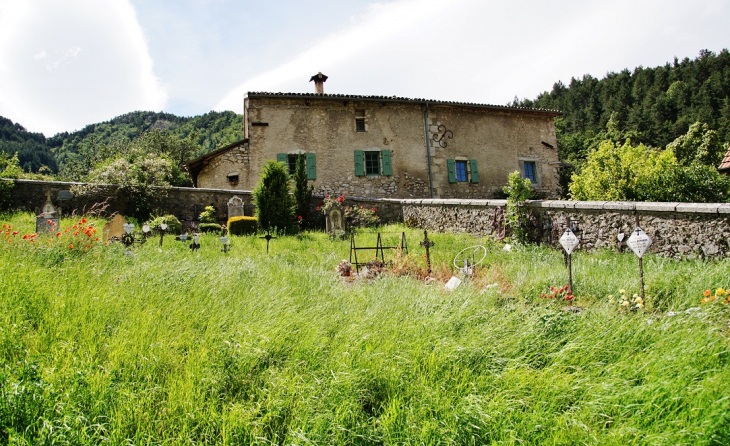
(465, 164)
(535, 170)
(361, 120)
(373, 154)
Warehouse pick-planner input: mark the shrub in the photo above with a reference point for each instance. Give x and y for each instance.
(274, 207)
(242, 225)
(302, 193)
(518, 191)
(208, 215)
(173, 224)
(8, 169)
(209, 227)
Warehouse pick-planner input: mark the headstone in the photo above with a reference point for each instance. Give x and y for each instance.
(335, 220)
(639, 242)
(235, 207)
(47, 220)
(569, 241)
(114, 228)
(64, 195)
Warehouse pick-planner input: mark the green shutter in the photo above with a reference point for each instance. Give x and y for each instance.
(387, 170)
(281, 157)
(450, 165)
(311, 167)
(474, 171)
(359, 163)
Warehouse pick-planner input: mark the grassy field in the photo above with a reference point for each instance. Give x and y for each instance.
(172, 347)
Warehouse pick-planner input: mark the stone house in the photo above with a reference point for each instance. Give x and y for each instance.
(388, 147)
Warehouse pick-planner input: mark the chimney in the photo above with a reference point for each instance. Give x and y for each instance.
(319, 80)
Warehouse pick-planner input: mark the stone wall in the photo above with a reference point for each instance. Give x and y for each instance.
(677, 229)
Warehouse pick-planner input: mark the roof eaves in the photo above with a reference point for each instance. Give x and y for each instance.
(402, 100)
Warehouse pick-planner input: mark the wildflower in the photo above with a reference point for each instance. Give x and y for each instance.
(622, 291)
(640, 305)
(58, 234)
(317, 208)
(49, 222)
(719, 292)
(624, 303)
(76, 226)
(71, 246)
(569, 297)
(706, 293)
(76, 233)
(83, 220)
(97, 239)
(704, 300)
(25, 237)
(544, 295)
(16, 232)
(53, 223)
(637, 299)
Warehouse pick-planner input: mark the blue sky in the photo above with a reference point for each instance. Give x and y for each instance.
(66, 64)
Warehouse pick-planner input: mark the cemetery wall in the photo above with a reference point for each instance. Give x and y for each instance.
(677, 229)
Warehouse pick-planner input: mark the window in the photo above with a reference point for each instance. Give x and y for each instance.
(233, 178)
(529, 170)
(290, 161)
(372, 163)
(359, 120)
(369, 163)
(460, 171)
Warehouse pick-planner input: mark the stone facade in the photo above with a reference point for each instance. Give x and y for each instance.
(492, 141)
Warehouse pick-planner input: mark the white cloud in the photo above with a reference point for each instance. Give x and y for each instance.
(490, 51)
(68, 64)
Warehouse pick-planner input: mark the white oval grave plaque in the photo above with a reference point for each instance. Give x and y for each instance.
(146, 228)
(639, 242)
(163, 226)
(569, 241)
(128, 227)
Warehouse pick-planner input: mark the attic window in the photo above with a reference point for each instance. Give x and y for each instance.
(233, 178)
(359, 120)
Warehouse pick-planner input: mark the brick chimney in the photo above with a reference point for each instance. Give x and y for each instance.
(319, 80)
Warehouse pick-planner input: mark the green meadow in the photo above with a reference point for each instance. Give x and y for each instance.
(165, 346)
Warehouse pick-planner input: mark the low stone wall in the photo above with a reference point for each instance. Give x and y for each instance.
(676, 229)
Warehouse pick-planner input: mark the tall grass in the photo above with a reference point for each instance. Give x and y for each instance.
(167, 346)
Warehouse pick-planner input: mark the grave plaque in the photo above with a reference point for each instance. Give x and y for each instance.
(114, 228)
(47, 220)
(335, 220)
(235, 207)
(639, 242)
(569, 241)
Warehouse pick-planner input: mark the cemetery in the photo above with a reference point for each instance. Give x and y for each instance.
(115, 330)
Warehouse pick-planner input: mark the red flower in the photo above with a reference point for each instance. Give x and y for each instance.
(71, 246)
(544, 295)
(317, 208)
(299, 218)
(569, 297)
(326, 196)
(374, 210)
(58, 234)
(341, 199)
(49, 222)
(16, 232)
(25, 237)
(83, 220)
(97, 239)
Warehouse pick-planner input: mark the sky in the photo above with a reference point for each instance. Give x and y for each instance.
(66, 64)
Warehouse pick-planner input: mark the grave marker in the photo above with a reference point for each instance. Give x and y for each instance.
(235, 207)
(335, 220)
(569, 242)
(47, 220)
(114, 228)
(639, 242)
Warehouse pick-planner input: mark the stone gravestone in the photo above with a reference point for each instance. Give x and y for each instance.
(47, 220)
(115, 228)
(335, 220)
(235, 207)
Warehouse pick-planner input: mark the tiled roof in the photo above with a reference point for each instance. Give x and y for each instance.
(351, 97)
(725, 164)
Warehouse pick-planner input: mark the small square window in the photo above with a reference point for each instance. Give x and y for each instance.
(359, 120)
(530, 171)
(461, 171)
(233, 179)
(372, 163)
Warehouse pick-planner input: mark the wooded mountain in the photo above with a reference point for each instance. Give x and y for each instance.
(652, 106)
(209, 131)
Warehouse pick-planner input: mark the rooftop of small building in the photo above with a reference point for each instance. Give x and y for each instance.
(402, 100)
(725, 164)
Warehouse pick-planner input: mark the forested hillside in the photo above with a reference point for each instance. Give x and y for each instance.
(205, 132)
(653, 106)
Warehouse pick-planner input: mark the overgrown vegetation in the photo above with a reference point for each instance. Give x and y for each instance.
(167, 346)
(302, 193)
(518, 191)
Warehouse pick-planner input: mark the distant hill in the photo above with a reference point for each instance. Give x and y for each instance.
(653, 106)
(211, 130)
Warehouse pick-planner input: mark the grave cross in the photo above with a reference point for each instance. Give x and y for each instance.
(163, 226)
(268, 238)
(195, 245)
(426, 243)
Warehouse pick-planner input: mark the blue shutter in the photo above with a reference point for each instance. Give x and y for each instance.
(387, 169)
(311, 167)
(359, 163)
(451, 167)
(474, 171)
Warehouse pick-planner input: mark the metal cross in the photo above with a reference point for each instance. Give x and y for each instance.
(268, 238)
(426, 243)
